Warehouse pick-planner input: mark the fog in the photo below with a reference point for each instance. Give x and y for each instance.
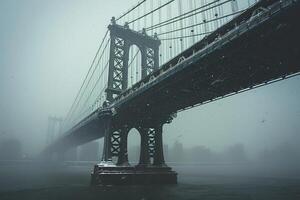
(46, 48)
(242, 147)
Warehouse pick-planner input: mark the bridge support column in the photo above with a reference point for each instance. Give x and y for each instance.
(123, 153)
(106, 155)
(158, 147)
(107, 173)
(144, 153)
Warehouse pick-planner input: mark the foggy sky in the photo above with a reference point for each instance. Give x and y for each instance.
(46, 48)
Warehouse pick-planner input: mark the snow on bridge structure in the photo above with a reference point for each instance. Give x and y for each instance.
(256, 46)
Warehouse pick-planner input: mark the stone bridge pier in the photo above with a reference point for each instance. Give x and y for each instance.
(114, 167)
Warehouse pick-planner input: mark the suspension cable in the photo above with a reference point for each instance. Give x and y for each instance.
(94, 86)
(152, 11)
(90, 78)
(191, 26)
(181, 17)
(132, 9)
(186, 36)
(133, 58)
(90, 73)
(87, 109)
(93, 62)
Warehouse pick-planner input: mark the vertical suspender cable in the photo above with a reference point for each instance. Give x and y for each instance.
(181, 24)
(145, 18)
(71, 110)
(169, 28)
(204, 19)
(216, 15)
(192, 39)
(159, 20)
(138, 62)
(151, 6)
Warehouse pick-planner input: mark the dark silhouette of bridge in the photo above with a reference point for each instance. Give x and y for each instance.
(256, 46)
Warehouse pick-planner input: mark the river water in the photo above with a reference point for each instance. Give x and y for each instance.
(204, 181)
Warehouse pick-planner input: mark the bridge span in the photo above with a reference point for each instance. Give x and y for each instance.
(259, 46)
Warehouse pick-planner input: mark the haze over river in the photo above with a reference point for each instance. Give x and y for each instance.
(202, 181)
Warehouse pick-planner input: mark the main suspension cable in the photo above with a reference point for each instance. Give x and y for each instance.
(93, 62)
(186, 36)
(90, 77)
(107, 64)
(152, 11)
(182, 16)
(132, 9)
(191, 26)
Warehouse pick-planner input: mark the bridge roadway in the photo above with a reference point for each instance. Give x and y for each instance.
(258, 47)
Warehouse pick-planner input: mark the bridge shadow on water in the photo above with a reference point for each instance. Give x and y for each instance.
(195, 182)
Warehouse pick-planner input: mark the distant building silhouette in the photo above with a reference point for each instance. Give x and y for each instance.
(54, 129)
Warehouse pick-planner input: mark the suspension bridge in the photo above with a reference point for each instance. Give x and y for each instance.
(163, 57)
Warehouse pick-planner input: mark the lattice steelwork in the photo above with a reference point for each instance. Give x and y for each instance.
(150, 61)
(151, 141)
(181, 23)
(122, 38)
(115, 141)
(231, 59)
(118, 63)
(165, 26)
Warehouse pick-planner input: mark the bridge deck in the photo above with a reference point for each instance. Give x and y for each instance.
(259, 50)
(262, 48)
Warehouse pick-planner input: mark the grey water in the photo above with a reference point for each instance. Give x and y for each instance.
(195, 181)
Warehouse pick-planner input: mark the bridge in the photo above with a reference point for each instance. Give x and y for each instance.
(141, 77)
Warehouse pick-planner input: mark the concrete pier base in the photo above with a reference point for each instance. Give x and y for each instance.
(104, 174)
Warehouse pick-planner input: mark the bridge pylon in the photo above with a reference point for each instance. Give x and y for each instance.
(114, 167)
(121, 39)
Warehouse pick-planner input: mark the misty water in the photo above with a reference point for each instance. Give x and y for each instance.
(245, 147)
(202, 181)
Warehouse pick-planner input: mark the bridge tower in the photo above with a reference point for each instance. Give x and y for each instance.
(54, 128)
(54, 131)
(121, 39)
(114, 167)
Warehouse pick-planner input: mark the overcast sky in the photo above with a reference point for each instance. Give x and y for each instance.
(46, 48)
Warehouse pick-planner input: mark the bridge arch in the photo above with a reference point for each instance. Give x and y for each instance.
(134, 65)
(134, 146)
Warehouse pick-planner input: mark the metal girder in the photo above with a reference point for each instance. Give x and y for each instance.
(122, 38)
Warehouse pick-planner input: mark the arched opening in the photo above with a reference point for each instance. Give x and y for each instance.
(134, 146)
(134, 65)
